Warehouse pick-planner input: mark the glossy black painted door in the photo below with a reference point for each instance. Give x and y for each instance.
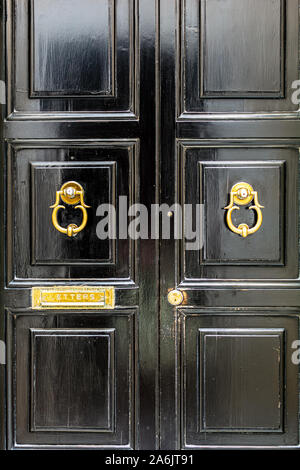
(159, 101)
(80, 107)
(227, 116)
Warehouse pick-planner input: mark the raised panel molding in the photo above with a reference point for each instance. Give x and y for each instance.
(71, 379)
(79, 64)
(208, 170)
(233, 59)
(37, 252)
(267, 178)
(46, 179)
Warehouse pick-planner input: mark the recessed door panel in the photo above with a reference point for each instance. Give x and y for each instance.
(237, 57)
(83, 37)
(208, 174)
(49, 246)
(70, 59)
(76, 379)
(39, 250)
(231, 28)
(264, 247)
(87, 375)
(239, 382)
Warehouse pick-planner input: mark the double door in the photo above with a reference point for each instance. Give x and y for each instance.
(120, 333)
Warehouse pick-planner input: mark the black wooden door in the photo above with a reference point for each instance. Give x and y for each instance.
(81, 109)
(144, 343)
(228, 117)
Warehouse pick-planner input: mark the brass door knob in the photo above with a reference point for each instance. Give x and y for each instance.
(175, 297)
(70, 193)
(242, 194)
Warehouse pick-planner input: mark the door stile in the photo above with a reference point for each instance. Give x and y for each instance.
(148, 260)
(169, 385)
(2, 235)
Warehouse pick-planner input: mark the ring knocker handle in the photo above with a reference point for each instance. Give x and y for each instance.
(242, 194)
(71, 193)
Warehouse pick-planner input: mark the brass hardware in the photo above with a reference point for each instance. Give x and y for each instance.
(242, 194)
(175, 297)
(70, 193)
(74, 297)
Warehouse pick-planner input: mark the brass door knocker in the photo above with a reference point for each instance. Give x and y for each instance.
(71, 193)
(242, 194)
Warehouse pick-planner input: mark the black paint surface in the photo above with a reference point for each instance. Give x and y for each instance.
(162, 101)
